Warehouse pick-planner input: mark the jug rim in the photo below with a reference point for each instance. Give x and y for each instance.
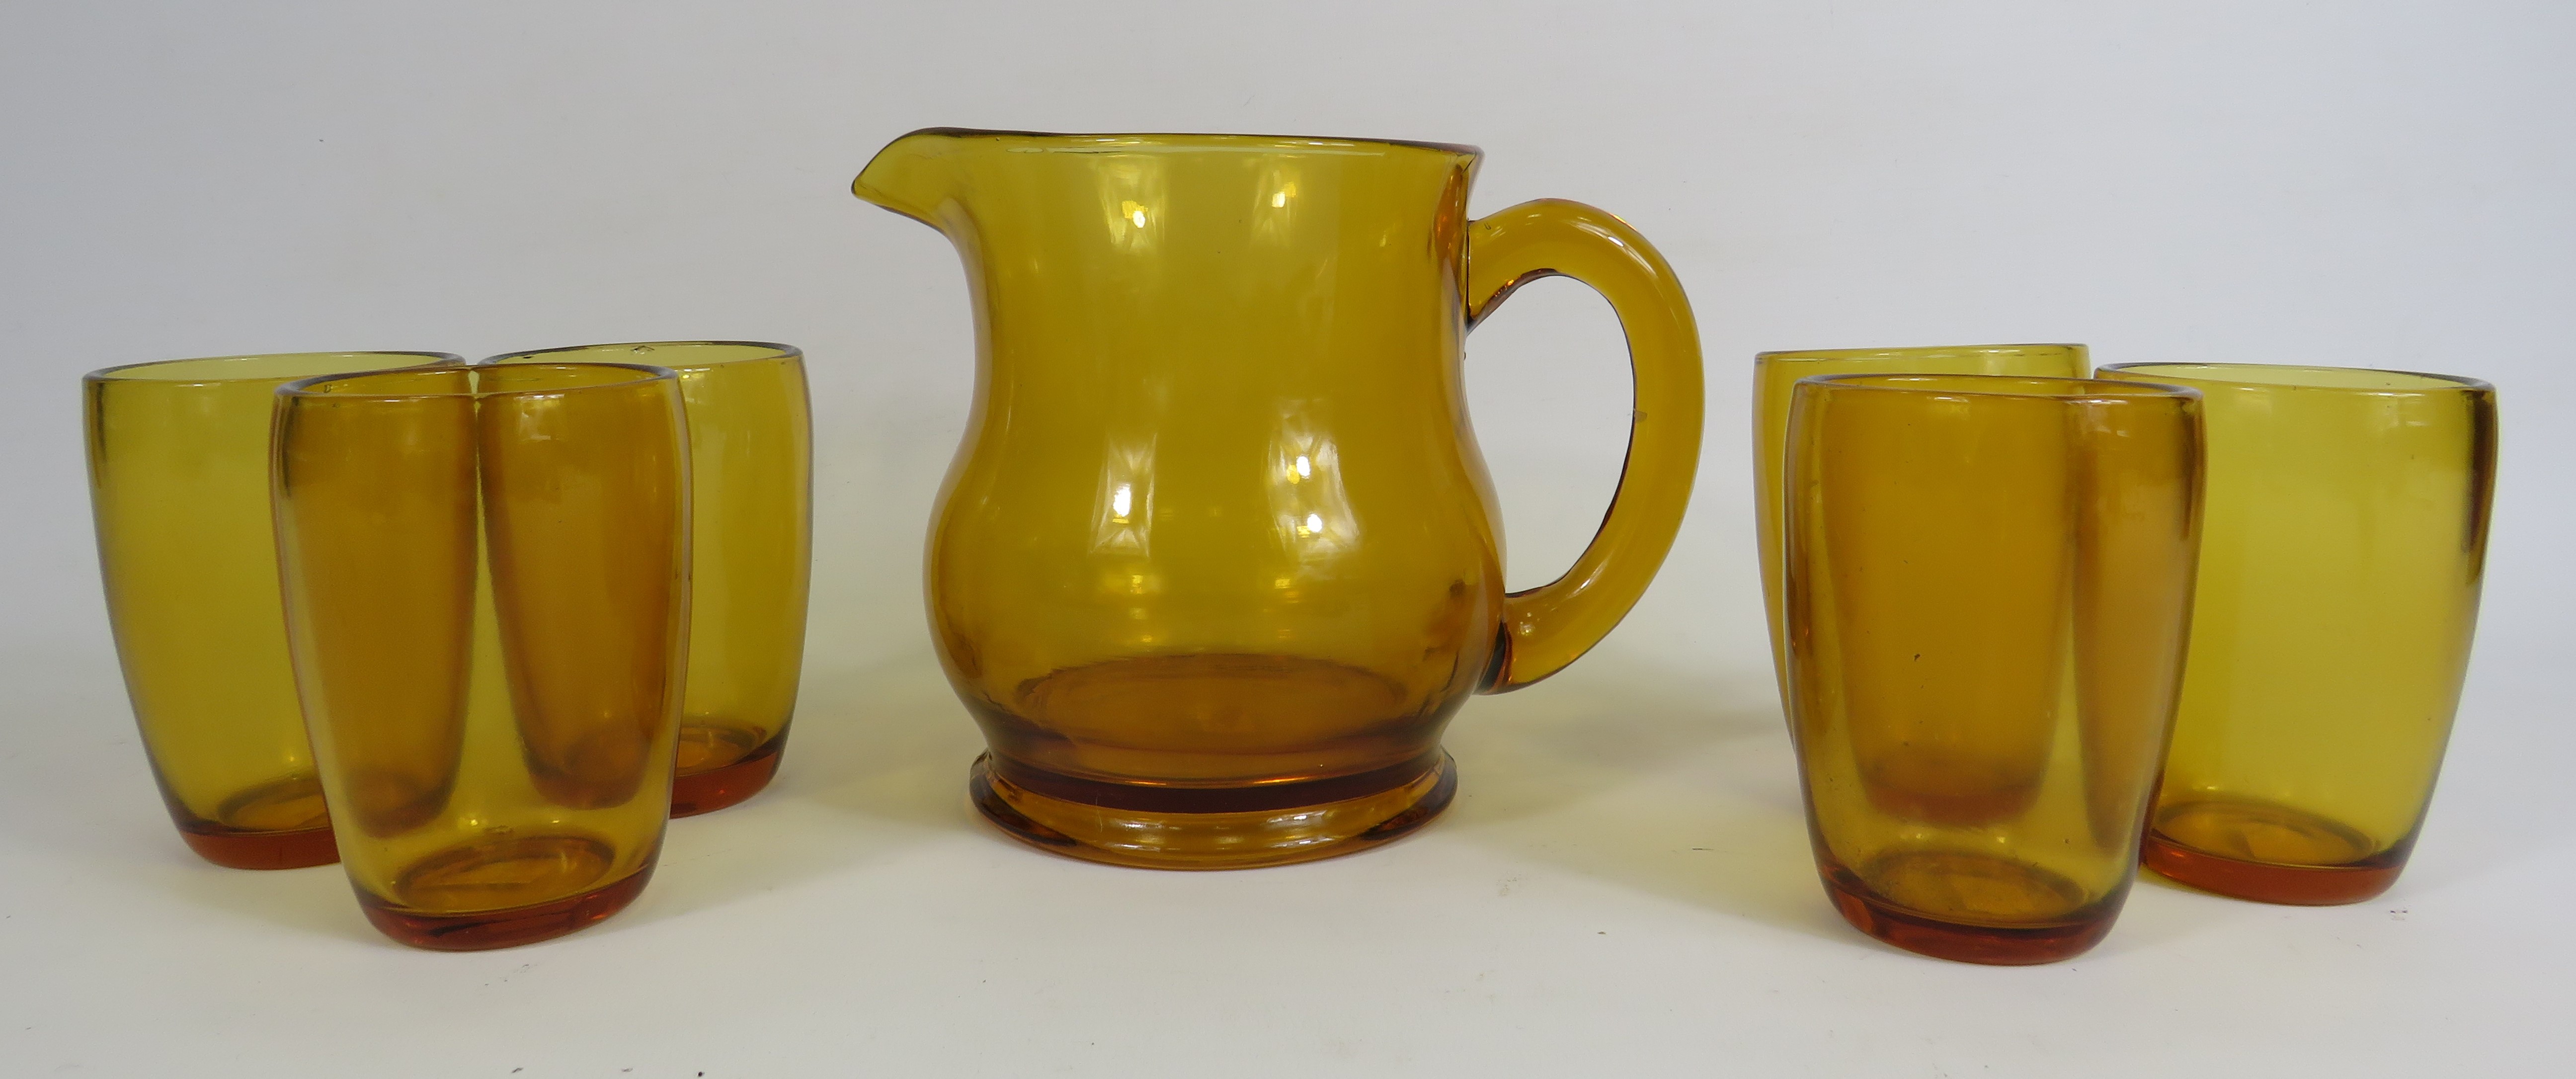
(1283, 141)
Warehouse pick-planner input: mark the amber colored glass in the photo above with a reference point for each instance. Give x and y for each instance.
(1989, 580)
(1776, 373)
(486, 573)
(2339, 572)
(751, 465)
(178, 471)
(1218, 558)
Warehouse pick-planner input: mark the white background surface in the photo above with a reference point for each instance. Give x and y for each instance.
(1623, 883)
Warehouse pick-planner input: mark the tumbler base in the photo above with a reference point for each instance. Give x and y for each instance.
(1996, 945)
(1157, 836)
(503, 928)
(2294, 885)
(236, 849)
(726, 785)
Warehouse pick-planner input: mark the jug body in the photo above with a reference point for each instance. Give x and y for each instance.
(1217, 559)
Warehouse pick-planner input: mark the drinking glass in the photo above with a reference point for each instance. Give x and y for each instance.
(486, 575)
(1775, 373)
(2345, 539)
(1988, 585)
(751, 453)
(178, 473)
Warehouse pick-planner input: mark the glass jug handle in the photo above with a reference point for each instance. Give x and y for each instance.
(1548, 627)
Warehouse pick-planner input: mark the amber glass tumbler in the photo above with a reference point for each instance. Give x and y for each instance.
(751, 465)
(178, 470)
(1776, 373)
(486, 575)
(1989, 580)
(2346, 536)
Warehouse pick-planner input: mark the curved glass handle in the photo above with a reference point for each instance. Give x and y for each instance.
(1548, 627)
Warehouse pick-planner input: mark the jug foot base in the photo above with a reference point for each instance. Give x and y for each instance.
(503, 928)
(718, 788)
(1152, 839)
(2296, 885)
(1993, 945)
(234, 849)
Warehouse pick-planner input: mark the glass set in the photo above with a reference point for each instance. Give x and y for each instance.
(1219, 559)
(2035, 629)
(503, 619)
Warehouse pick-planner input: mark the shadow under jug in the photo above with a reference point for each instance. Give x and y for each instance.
(1218, 558)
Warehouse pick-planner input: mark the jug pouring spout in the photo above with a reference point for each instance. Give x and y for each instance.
(914, 175)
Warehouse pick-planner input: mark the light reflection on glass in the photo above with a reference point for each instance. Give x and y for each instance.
(1132, 200)
(1277, 188)
(1124, 520)
(1311, 510)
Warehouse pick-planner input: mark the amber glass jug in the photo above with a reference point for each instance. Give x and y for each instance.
(1218, 558)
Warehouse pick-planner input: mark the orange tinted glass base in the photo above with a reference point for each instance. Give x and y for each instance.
(717, 788)
(2297, 885)
(503, 928)
(235, 849)
(1994, 945)
(1220, 828)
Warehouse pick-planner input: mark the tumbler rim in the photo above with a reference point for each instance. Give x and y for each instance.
(769, 350)
(134, 372)
(2219, 375)
(311, 389)
(1892, 352)
(2006, 387)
